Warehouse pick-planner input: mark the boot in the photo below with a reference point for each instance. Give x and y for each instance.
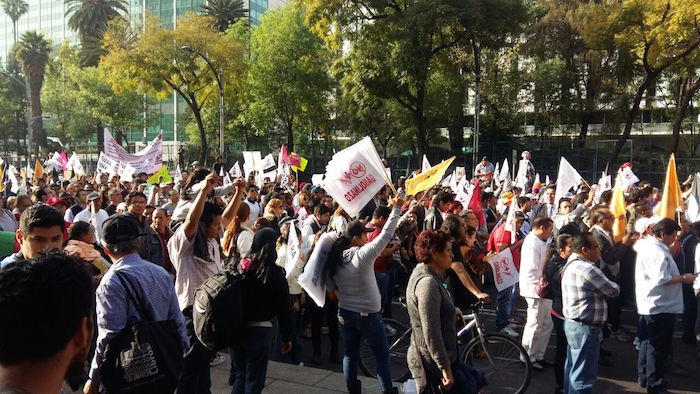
(355, 388)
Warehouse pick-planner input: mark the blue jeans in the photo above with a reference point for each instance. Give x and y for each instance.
(513, 298)
(354, 326)
(655, 337)
(582, 355)
(250, 360)
(383, 280)
(502, 300)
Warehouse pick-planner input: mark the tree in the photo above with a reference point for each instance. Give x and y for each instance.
(655, 35)
(64, 100)
(14, 9)
(225, 12)
(33, 54)
(90, 18)
(151, 66)
(288, 75)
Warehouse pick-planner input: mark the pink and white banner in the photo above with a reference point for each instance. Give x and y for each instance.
(148, 160)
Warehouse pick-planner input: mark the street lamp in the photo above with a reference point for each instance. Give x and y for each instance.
(220, 82)
(27, 140)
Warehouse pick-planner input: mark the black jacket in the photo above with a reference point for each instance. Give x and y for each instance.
(433, 219)
(552, 272)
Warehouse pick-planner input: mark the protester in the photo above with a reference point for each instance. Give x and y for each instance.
(161, 228)
(584, 291)
(115, 198)
(203, 221)
(50, 289)
(266, 289)
(79, 206)
(538, 326)
(150, 248)
(41, 230)
(81, 244)
(253, 203)
(484, 170)
(433, 355)
(553, 269)
(295, 290)
(545, 208)
(93, 214)
(148, 283)
(359, 300)
(659, 290)
(434, 216)
(7, 219)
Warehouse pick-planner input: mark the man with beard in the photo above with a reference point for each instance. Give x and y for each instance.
(52, 289)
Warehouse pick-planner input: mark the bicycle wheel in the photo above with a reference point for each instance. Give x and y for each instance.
(499, 358)
(398, 347)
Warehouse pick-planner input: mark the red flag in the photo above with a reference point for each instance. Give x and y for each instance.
(284, 156)
(475, 204)
(295, 160)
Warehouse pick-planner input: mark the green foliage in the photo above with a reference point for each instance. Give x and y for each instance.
(14, 9)
(225, 12)
(289, 80)
(149, 66)
(33, 54)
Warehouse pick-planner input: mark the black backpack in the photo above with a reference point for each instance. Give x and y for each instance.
(217, 311)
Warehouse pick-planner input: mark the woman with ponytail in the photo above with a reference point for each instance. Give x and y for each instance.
(266, 297)
(359, 303)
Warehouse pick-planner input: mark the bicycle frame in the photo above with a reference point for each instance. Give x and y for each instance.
(474, 322)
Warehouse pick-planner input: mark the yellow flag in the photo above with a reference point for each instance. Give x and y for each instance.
(427, 179)
(38, 170)
(2, 184)
(68, 174)
(619, 210)
(672, 199)
(302, 164)
(163, 172)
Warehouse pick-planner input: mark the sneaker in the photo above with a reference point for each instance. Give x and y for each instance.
(516, 320)
(509, 331)
(218, 360)
(513, 326)
(621, 335)
(390, 331)
(537, 366)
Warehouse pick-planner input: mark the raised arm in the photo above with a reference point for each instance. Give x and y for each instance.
(233, 204)
(373, 249)
(192, 221)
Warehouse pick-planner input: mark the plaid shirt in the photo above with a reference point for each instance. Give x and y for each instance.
(584, 288)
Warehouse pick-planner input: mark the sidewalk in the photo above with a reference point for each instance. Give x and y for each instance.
(290, 379)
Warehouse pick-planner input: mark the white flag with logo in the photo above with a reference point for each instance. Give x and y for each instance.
(568, 178)
(293, 251)
(627, 177)
(505, 171)
(505, 274)
(235, 171)
(313, 279)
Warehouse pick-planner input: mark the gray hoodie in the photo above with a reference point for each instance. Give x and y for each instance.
(354, 279)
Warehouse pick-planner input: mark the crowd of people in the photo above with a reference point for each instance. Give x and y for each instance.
(63, 297)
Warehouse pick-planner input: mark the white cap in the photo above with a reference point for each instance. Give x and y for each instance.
(524, 154)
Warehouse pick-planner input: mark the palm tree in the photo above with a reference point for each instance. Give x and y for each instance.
(33, 54)
(14, 9)
(89, 18)
(225, 12)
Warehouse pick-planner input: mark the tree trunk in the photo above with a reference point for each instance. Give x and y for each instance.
(683, 103)
(204, 148)
(34, 81)
(583, 132)
(455, 118)
(290, 137)
(631, 117)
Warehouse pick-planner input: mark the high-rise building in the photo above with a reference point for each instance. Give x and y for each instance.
(49, 17)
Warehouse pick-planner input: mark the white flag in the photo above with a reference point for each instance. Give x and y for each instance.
(505, 171)
(510, 219)
(505, 274)
(235, 171)
(312, 279)
(293, 251)
(12, 176)
(426, 164)
(74, 165)
(221, 171)
(547, 181)
(177, 176)
(627, 177)
(268, 163)
(568, 178)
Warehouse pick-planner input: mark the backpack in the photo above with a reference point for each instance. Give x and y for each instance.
(217, 312)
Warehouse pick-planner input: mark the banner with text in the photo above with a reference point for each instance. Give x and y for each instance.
(148, 160)
(505, 274)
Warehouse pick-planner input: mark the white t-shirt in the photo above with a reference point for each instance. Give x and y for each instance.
(86, 216)
(532, 258)
(254, 210)
(191, 273)
(654, 269)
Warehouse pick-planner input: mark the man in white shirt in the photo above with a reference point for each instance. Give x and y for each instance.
(539, 325)
(93, 214)
(659, 297)
(252, 201)
(484, 170)
(192, 272)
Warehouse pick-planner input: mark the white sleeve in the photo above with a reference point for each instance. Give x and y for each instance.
(178, 246)
(696, 284)
(244, 243)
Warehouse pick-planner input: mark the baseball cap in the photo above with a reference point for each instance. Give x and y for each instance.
(355, 228)
(316, 189)
(302, 185)
(93, 196)
(55, 200)
(120, 228)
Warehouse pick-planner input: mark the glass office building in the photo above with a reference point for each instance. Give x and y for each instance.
(48, 16)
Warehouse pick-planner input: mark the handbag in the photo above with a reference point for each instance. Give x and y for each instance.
(543, 288)
(146, 356)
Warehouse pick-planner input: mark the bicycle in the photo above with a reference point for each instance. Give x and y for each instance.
(503, 360)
